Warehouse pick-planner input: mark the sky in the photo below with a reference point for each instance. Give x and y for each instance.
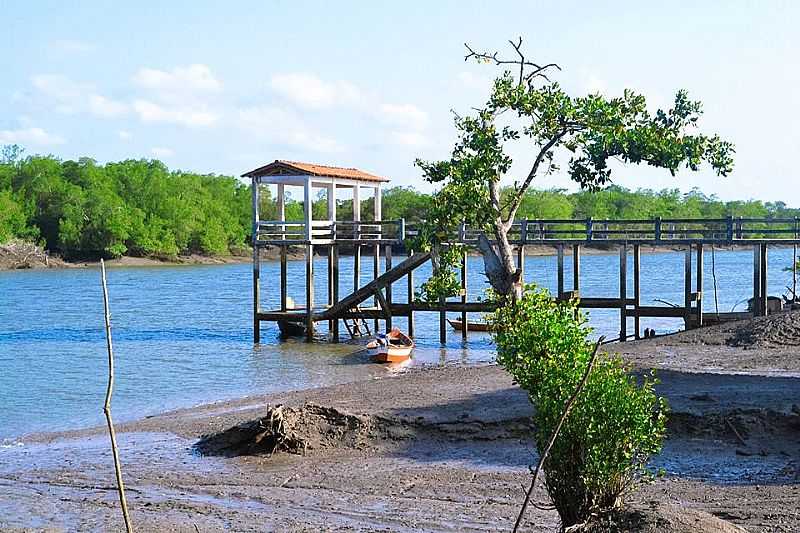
(225, 87)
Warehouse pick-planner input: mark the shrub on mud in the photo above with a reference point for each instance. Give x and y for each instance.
(616, 423)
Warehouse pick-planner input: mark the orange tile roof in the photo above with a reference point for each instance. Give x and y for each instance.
(282, 167)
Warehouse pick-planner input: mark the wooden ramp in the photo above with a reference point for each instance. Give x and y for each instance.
(373, 288)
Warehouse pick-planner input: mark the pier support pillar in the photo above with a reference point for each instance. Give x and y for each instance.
(256, 294)
(309, 292)
(764, 301)
(623, 293)
(756, 305)
(699, 283)
(560, 271)
(576, 268)
(464, 319)
(687, 286)
(410, 289)
(637, 292)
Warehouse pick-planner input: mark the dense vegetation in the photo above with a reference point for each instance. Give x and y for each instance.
(616, 424)
(140, 207)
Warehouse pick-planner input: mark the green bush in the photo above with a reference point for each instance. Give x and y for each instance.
(616, 423)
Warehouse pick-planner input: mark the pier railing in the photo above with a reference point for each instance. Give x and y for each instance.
(656, 231)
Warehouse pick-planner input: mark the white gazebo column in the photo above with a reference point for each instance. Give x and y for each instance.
(332, 202)
(307, 207)
(282, 209)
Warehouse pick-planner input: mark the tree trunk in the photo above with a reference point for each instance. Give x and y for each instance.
(498, 261)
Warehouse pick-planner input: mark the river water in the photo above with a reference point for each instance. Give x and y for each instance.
(182, 334)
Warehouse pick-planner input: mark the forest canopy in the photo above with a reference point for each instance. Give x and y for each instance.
(142, 208)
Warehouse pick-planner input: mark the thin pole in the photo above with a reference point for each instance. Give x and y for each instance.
(107, 405)
(714, 277)
(623, 293)
(410, 297)
(464, 319)
(637, 288)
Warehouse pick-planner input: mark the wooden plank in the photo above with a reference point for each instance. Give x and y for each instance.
(367, 291)
(383, 304)
(654, 311)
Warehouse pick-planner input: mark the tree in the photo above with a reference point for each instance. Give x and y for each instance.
(590, 130)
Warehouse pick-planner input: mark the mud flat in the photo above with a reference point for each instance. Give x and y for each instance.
(433, 449)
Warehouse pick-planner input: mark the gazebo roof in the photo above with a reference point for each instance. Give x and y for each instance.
(281, 167)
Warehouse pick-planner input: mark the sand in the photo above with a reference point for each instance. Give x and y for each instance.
(431, 449)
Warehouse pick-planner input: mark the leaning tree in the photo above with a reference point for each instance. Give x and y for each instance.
(526, 107)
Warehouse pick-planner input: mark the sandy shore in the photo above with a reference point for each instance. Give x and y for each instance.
(434, 449)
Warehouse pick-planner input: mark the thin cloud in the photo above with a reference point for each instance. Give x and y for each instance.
(187, 116)
(124, 135)
(279, 126)
(29, 136)
(406, 115)
(70, 97)
(195, 77)
(310, 92)
(71, 46)
(159, 151)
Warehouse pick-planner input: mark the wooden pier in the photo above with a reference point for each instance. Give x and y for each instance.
(373, 300)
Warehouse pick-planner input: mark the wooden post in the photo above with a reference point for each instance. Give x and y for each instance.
(410, 298)
(330, 283)
(687, 285)
(576, 268)
(442, 301)
(764, 284)
(756, 306)
(335, 252)
(284, 277)
(309, 292)
(376, 265)
(623, 292)
(107, 405)
(699, 282)
(560, 271)
(464, 320)
(388, 256)
(523, 237)
(357, 237)
(377, 215)
(637, 294)
(256, 263)
(308, 213)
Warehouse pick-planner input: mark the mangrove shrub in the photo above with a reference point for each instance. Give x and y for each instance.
(616, 423)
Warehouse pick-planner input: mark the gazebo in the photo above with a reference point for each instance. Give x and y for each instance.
(309, 176)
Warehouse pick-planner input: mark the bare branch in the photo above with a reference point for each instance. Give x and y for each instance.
(537, 70)
(551, 442)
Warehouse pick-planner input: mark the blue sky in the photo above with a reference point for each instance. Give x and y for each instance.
(225, 87)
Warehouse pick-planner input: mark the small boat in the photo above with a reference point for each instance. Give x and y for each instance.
(291, 328)
(471, 326)
(393, 347)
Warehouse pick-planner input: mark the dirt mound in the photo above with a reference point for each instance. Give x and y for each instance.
(772, 331)
(657, 517)
(298, 430)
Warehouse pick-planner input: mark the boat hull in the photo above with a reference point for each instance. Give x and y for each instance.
(471, 326)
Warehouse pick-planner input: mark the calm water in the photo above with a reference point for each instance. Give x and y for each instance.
(182, 335)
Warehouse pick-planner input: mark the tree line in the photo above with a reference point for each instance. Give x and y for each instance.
(140, 207)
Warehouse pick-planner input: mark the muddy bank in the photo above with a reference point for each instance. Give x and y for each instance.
(444, 449)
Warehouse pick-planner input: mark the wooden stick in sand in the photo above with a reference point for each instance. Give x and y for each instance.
(107, 405)
(567, 409)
